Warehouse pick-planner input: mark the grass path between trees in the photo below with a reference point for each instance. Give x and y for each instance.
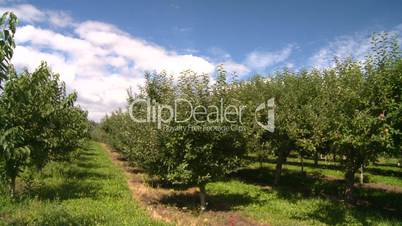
(247, 198)
(180, 206)
(99, 188)
(90, 190)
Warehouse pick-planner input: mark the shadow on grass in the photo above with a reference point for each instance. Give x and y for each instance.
(296, 163)
(291, 181)
(84, 173)
(386, 164)
(76, 181)
(385, 172)
(296, 186)
(215, 202)
(65, 190)
(386, 203)
(156, 182)
(333, 214)
(375, 171)
(88, 165)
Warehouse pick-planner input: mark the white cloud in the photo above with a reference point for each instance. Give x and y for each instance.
(224, 58)
(60, 18)
(219, 54)
(96, 59)
(25, 12)
(30, 14)
(145, 55)
(322, 58)
(30, 58)
(290, 65)
(260, 60)
(233, 67)
(101, 62)
(102, 95)
(356, 46)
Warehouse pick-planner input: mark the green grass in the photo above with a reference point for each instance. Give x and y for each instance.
(285, 207)
(300, 199)
(381, 173)
(87, 191)
(91, 190)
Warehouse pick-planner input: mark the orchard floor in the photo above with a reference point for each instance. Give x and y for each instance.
(247, 198)
(89, 190)
(175, 206)
(98, 189)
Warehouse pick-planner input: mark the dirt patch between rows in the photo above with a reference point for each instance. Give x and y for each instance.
(150, 198)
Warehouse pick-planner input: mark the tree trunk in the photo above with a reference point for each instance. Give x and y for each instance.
(349, 179)
(302, 163)
(315, 159)
(361, 174)
(278, 169)
(12, 187)
(202, 197)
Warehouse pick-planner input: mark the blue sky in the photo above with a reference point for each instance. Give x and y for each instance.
(100, 49)
(239, 27)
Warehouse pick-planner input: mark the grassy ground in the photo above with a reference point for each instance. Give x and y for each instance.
(87, 191)
(383, 172)
(302, 199)
(311, 200)
(93, 191)
(278, 207)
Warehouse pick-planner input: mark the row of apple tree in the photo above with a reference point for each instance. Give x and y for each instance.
(39, 121)
(351, 111)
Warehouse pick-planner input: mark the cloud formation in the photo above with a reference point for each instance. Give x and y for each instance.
(30, 14)
(96, 59)
(259, 60)
(101, 62)
(356, 46)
